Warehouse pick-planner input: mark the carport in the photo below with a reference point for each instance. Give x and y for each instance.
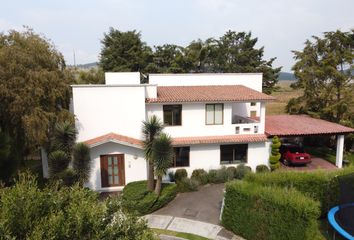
(303, 125)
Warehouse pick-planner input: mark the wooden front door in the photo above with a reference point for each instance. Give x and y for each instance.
(112, 170)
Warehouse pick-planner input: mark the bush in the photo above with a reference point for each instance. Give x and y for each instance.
(137, 198)
(319, 185)
(269, 212)
(187, 185)
(68, 177)
(200, 175)
(262, 169)
(231, 172)
(180, 174)
(242, 170)
(220, 175)
(26, 212)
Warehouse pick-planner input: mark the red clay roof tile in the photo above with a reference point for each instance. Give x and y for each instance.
(230, 93)
(297, 125)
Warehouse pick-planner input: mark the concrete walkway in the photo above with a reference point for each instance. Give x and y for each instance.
(177, 224)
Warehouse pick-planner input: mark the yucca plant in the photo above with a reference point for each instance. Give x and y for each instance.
(81, 161)
(150, 129)
(58, 162)
(64, 137)
(162, 153)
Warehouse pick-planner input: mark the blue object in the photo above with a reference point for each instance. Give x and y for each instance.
(334, 223)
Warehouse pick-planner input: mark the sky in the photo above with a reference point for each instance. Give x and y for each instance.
(78, 25)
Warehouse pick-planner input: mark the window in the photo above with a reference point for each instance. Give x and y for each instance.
(172, 115)
(112, 170)
(181, 157)
(233, 154)
(253, 114)
(253, 104)
(214, 114)
(237, 130)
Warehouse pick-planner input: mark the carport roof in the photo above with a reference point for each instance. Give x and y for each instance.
(301, 125)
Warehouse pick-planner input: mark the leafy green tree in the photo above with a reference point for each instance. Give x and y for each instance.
(34, 88)
(170, 58)
(81, 162)
(162, 154)
(324, 71)
(124, 52)
(275, 154)
(151, 129)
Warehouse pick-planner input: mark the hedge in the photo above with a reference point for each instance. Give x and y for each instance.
(263, 212)
(319, 185)
(137, 198)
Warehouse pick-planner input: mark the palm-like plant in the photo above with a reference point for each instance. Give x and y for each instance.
(58, 162)
(151, 129)
(81, 162)
(162, 154)
(64, 137)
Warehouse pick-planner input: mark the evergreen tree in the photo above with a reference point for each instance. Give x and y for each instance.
(275, 154)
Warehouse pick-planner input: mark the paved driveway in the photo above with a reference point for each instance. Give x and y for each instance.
(317, 163)
(203, 205)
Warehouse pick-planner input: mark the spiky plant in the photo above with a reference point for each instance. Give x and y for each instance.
(58, 162)
(64, 137)
(162, 153)
(150, 129)
(82, 162)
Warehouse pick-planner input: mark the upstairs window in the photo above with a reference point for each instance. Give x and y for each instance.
(214, 114)
(172, 115)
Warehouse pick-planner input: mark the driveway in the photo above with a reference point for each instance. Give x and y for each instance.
(317, 163)
(203, 205)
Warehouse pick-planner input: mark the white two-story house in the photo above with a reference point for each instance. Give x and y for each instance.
(215, 120)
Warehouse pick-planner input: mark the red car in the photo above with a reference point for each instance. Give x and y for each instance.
(294, 155)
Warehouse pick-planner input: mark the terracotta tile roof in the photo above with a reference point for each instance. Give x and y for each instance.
(113, 137)
(220, 139)
(297, 125)
(230, 93)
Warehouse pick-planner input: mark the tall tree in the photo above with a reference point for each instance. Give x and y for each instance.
(170, 58)
(34, 88)
(162, 154)
(124, 52)
(151, 129)
(324, 71)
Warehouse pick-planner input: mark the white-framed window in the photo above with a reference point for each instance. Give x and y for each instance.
(214, 114)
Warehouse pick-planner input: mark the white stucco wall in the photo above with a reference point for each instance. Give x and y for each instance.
(103, 109)
(193, 121)
(113, 78)
(135, 165)
(251, 80)
(207, 157)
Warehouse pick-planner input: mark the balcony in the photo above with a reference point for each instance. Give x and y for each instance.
(245, 125)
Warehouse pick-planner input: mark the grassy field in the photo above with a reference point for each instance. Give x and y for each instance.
(282, 95)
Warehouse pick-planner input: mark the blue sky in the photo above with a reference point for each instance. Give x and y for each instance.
(280, 25)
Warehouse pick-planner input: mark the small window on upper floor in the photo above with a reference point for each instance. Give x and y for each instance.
(172, 115)
(253, 103)
(214, 114)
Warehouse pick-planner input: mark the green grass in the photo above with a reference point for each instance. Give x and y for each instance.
(188, 236)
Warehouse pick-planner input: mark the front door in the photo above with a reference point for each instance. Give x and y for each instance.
(112, 170)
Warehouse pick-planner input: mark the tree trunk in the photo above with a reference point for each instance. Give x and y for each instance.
(151, 178)
(158, 185)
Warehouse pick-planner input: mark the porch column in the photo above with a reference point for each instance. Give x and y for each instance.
(262, 118)
(339, 152)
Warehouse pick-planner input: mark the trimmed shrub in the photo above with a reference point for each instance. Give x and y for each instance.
(187, 185)
(262, 169)
(200, 175)
(242, 170)
(220, 175)
(137, 198)
(275, 155)
(319, 185)
(261, 212)
(180, 174)
(231, 172)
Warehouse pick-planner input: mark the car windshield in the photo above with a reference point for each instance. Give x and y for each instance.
(296, 150)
